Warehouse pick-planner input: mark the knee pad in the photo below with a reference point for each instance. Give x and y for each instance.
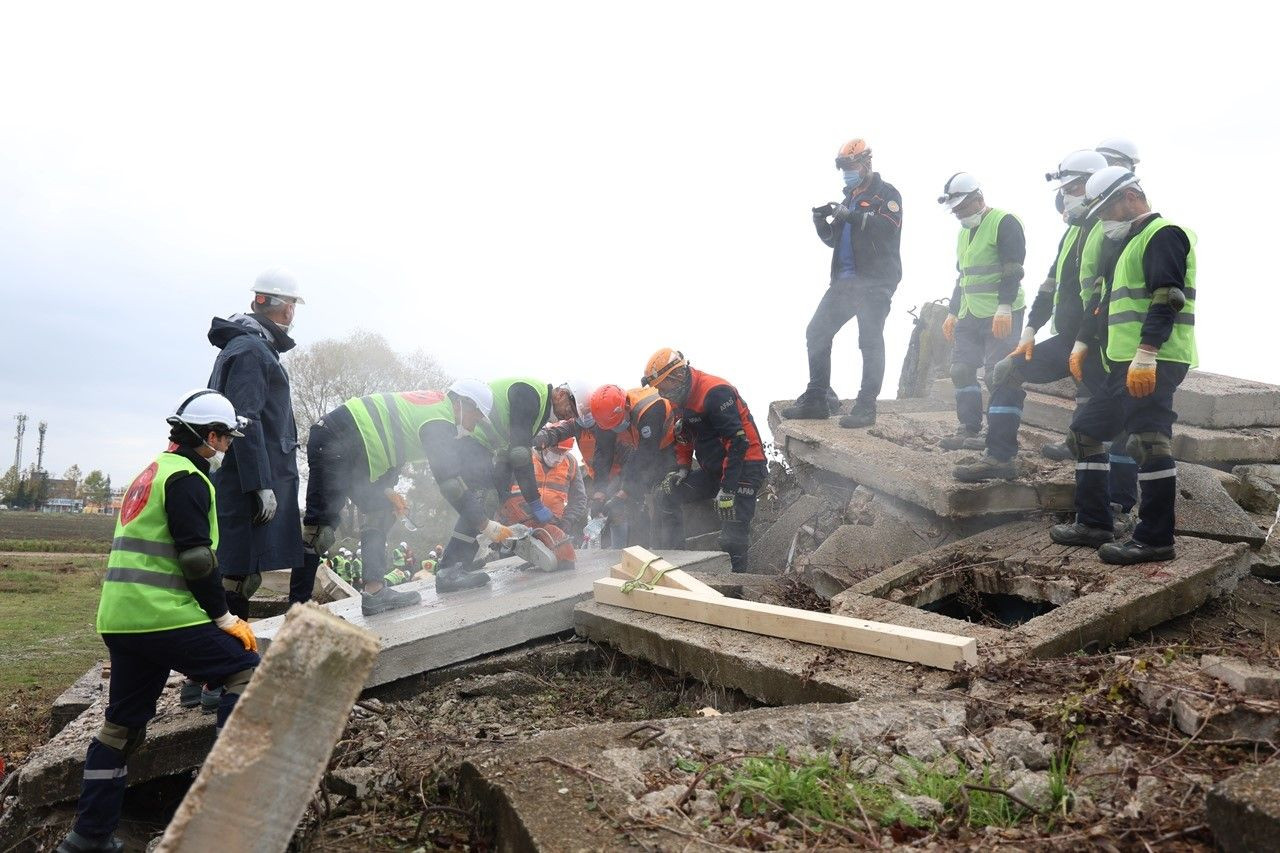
(245, 586)
(319, 538)
(122, 739)
(238, 681)
(1149, 446)
(1005, 373)
(963, 375)
(1083, 445)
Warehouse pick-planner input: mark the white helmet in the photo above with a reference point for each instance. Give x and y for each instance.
(1119, 152)
(1076, 165)
(580, 390)
(1104, 184)
(958, 188)
(279, 283)
(205, 407)
(404, 544)
(475, 391)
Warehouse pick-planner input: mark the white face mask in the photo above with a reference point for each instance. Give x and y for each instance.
(215, 461)
(1116, 230)
(552, 458)
(972, 220)
(1071, 203)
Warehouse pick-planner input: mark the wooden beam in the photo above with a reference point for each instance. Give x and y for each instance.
(914, 645)
(636, 557)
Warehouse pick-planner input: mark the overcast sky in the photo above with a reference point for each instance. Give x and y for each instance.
(558, 189)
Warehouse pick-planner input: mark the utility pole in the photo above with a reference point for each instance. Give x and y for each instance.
(17, 454)
(40, 447)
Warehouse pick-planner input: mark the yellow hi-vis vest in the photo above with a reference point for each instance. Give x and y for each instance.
(144, 589)
(1130, 300)
(390, 423)
(979, 262)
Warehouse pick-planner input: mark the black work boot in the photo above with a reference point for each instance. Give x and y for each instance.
(833, 401)
(387, 598)
(210, 699)
(455, 577)
(809, 406)
(77, 843)
(986, 468)
(1058, 452)
(1133, 551)
(1079, 534)
(963, 438)
(189, 693)
(863, 414)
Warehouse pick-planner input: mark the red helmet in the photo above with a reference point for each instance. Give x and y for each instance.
(567, 444)
(608, 406)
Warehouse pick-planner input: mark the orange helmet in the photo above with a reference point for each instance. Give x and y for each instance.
(851, 153)
(567, 444)
(608, 406)
(662, 364)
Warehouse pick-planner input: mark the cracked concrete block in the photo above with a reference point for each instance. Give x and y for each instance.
(264, 768)
(1251, 679)
(1244, 810)
(77, 698)
(1209, 400)
(1204, 509)
(768, 555)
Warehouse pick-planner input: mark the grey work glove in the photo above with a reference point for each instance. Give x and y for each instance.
(674, 479)
(266, 501)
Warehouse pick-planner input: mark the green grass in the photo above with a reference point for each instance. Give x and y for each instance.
(55, 526)
(47, 639)
(56, 546)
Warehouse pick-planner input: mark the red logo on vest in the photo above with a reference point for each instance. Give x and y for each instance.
(139, 493)
(422, 398)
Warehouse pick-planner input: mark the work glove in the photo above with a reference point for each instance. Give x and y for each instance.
(674, 479)
(496, 531)
(949, 328)
(1141, 380)
(541, 439)
(238, 628)
(1002, 322)
(1026, 344)
(1076, 361)
(820, 214)
(724, 504)
(539, 511)
(399, 505)
(840, 213)
(265, 500)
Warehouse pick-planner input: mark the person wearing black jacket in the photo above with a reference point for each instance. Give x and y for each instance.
(863, 230)
(258, 486)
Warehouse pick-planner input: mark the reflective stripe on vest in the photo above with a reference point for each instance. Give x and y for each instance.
(978, 260)
(1130, 301)
(639, 400)
(390, 423)
(144, 589)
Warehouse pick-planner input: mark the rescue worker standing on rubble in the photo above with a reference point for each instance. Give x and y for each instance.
(643, 421)
(863, 230)
(985, 318)
(725, 441)
(1059, 298)
(356, 452)
(1145, 329)
(163, 607)
(258, 485)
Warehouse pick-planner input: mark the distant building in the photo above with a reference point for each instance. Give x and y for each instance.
(62, 505)
(58, 488)
(117, 498)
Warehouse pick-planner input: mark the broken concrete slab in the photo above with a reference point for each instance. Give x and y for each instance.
(774, 671)
(769, 554)
(1204, 509)
(1042, 599)
(281, 733)
(928, 353)
(77, 698)
(1209, 400)
(1244, 810)
(1245, 677)
(899, 456)
(178, 739)
(516, 607)
(594, 775)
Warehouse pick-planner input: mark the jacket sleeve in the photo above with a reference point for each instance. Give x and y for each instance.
(186, 506)
(646, 461)
(1164, 264)
(1011, 246)
(575, 509)
(953, 307)
(441, 444)
(726, 424)
(552, 434)
(526, 419)
(1042, 307)
(826, 231)
(887, 218)
(602, 459)
(244, 383)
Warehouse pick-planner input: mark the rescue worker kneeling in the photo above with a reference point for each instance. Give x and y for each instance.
(163, 607)
(561, 490)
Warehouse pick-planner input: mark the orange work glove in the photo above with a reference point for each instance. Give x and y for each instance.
(1141, 379)
(238, 628)
(949, 328)
(497, 532)
(1076, 362)
(1026, 346)
(1002, 322)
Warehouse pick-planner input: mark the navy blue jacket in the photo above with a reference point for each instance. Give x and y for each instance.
(248, 373)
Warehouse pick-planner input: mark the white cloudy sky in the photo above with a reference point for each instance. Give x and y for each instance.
(558, 189)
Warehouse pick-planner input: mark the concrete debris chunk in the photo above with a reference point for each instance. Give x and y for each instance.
(768, 554)
(263, 769)
(1250, 679)
(1244, 810)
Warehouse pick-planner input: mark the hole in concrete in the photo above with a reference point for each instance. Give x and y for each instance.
(987, 593)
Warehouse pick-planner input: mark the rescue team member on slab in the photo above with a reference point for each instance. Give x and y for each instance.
(163, 607)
